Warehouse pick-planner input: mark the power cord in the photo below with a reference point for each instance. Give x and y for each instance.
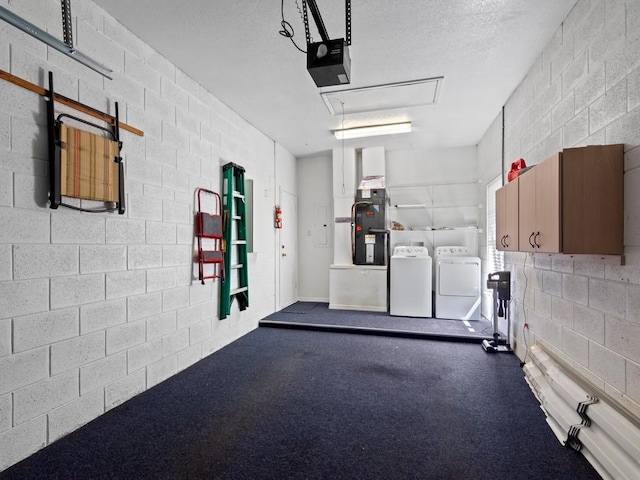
(343, 186)
(525, 325)
(287, 30)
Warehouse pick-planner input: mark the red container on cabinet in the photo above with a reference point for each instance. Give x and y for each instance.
(517, 167)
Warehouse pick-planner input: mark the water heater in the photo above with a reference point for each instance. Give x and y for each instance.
(368, 228)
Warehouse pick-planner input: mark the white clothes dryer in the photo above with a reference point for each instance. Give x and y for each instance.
(458, 283)
(410, 282)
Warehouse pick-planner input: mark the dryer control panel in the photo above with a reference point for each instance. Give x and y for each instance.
(454, 250)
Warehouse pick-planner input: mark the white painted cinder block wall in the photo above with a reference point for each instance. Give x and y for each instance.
(96, 308)
(583, 89)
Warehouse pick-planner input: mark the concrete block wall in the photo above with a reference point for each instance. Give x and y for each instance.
(584, 89)
(97, 308)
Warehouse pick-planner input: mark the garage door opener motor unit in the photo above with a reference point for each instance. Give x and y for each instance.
(328, 61)
(368, 233)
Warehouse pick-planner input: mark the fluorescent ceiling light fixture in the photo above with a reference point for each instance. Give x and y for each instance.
(372, 130)
(31, 29)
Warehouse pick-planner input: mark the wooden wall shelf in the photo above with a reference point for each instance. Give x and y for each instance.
(32, 87)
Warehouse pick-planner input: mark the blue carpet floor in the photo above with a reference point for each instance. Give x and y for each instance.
(292, 404)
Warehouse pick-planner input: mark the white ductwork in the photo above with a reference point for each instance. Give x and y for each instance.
(373, 162)
(583, 420)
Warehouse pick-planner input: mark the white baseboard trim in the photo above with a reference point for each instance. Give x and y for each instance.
(334, 306)
(313, 299)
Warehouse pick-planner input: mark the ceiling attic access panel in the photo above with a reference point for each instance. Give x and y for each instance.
(389, 96)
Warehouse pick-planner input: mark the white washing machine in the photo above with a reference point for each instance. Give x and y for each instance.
(410, 282)
(458, 284)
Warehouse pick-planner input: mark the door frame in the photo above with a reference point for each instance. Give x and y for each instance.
(291, 227)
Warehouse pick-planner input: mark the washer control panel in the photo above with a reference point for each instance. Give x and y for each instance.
(415, 251)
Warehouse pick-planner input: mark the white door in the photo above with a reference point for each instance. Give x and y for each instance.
(288, 249)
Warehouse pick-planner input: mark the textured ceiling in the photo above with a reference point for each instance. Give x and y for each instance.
(482, 48)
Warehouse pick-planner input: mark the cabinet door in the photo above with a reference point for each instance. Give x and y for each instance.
(548, 208)
(511, 216)
(593, 200)
(527, 210)
(501, 205)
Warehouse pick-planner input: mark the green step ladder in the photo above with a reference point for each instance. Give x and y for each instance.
(235, 282)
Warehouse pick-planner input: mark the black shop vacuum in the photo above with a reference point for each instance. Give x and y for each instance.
(500, 283)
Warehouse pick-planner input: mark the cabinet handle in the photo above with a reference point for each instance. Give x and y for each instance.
(530, 237)
(535, 240)
(506, 245)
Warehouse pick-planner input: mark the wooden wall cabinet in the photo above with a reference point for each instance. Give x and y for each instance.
(507, 217)
(593, 200)
(539, 209)
(571, 203)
